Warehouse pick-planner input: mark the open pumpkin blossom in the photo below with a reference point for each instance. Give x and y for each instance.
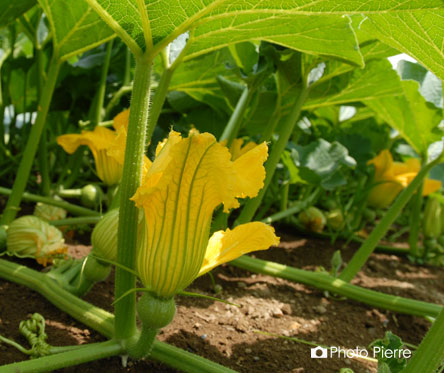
(392, 177)
(107, 147)
(188, 179)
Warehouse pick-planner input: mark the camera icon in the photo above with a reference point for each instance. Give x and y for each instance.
(318, 353)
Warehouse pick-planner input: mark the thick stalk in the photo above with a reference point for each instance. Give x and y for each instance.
(125, 310)
(326, 282)
(361, 256)
(234, 124)
(430, 353)
(252, 205)
(98, 319)
(74, 209)
(415, 222)
(24, 169)
(96, 114)
(84, 354)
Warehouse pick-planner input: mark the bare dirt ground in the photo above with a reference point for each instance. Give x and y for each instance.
(229, 335)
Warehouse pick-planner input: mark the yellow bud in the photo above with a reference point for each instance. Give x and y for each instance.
(30, 236)
(48, 212)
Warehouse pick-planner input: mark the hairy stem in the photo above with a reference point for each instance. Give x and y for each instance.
(125, 310)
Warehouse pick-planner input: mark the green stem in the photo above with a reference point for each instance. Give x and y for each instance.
(252, 205)
(96, 114)
(24, 169)
(430, 353)
(361, 256)
(98, 319)
(326, 282)
(74, 209)
(234, 124)
(90, 352)
(415, 222)
(284, 196)
(125, 310)
(70, 193)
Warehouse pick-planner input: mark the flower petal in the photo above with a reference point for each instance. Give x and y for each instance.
(187, 181)
(250, 171)
(230, 244)
(383, 193)
(121, 120)
(100, 138)
(383, 162)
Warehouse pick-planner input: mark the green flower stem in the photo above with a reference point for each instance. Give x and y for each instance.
(98, 319)
(415, 222)
(31, 146)
(326, 282)
(125, 310)
(76, 221)
(144, 344)
(252, 205)
(284, 196)
(430, 353)
(234, 124)
(81, 355)
(361, 256)
(70, 193)
(96, 113)
(74, 209)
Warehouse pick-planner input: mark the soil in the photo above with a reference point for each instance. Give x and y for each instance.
(229, 335)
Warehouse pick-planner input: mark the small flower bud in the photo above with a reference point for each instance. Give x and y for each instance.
(48, 212)
(104, 236)
(31, 236)
(313, 219)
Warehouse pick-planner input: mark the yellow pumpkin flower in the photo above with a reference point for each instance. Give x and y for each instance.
(189, 178)
(392, 177)
(107, 146)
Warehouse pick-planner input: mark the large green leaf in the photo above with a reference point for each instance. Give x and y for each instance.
(415, 119)
(197, 78)
(75, 26)
(378, 79)
(11, 9)
(218, 23)
(417, 32)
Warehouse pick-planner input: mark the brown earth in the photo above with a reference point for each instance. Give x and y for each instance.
(229, 335)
